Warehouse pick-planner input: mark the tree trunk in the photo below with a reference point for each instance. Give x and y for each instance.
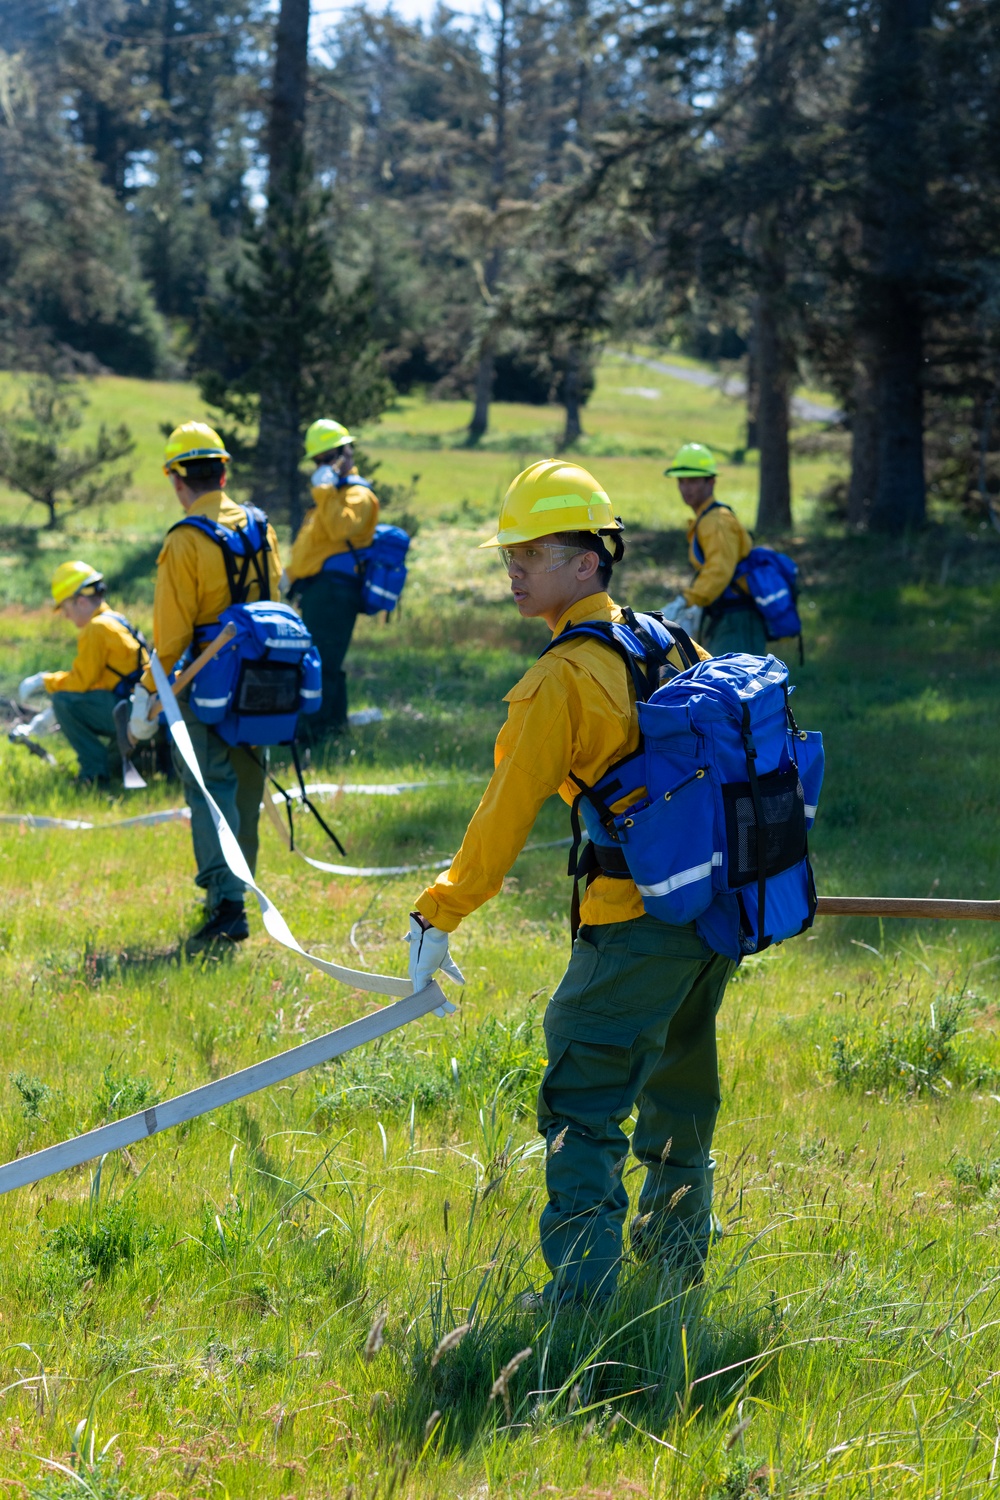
(897, 228)
(279, 440)
(287, 122)
(774, 500)
(487, 363)
(485, 371)
(573, 430)
(864, 444)
(773, 350)
(753, 393)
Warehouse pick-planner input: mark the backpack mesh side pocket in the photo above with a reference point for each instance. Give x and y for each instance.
(267, 687)
(784, 826)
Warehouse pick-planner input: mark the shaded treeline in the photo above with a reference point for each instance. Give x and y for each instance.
(809, 187)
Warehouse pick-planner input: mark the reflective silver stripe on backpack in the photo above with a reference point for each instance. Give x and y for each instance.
(682, 878)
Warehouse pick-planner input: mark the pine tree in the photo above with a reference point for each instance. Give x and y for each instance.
(284, 340)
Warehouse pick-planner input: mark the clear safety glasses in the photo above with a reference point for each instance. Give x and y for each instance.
(538, 557)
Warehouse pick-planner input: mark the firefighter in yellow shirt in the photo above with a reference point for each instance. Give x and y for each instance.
(716, 606)
(196, 579)
(110, 657)
(324, 572)
(633, 1019)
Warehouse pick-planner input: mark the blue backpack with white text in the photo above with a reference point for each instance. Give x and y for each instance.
(720, 758)
(381, 566)
(253, 690)
(772, 583)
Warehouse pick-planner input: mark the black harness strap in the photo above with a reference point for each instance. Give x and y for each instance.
(141, 649)
(758, 812)
(306, 802)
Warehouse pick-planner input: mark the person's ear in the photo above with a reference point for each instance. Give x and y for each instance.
(587, 566)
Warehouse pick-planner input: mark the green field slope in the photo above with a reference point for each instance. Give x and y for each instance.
(254, 1305)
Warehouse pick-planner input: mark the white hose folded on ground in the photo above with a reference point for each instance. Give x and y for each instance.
(44, 722)
(274, 922)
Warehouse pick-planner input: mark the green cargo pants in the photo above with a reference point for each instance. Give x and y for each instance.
(86, 721)
(234, 775)
(736, 630)
(631, 1023)
(330, 604)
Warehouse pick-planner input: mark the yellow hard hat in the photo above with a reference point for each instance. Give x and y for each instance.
(552, 496)
(191, 440)
(70, 577)
(693, 461)
(326, 435)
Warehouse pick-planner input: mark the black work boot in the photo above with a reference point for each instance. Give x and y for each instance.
(227, 924)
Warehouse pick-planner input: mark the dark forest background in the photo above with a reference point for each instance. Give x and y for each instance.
(808, 187)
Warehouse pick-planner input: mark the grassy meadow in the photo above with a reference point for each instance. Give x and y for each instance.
(254, 1305)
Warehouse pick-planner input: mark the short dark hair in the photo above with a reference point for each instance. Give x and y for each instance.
(204, 474)
(590, 541)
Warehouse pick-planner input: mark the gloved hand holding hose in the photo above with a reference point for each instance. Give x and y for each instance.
(140, 726)
(428, 953)
(31, 686)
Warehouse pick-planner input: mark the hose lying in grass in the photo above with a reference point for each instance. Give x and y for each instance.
(274, 923)
(179, 814)
(120, 1133)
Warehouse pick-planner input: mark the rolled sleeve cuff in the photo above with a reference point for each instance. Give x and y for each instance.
(430, 907)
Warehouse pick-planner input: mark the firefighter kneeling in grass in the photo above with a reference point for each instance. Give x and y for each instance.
(633, 1019)
(110, 658)
(219, 554)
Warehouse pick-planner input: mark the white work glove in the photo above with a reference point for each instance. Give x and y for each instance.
(42, 723)
(30, 686)
(323, 476)
(428, 953)
(687, 616)
(140, 727)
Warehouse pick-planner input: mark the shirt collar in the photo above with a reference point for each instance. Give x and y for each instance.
(704, 506)
(593, 607)
(208, 504)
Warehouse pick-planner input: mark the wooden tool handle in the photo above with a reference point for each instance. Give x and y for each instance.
(213, 647)
(908, 906)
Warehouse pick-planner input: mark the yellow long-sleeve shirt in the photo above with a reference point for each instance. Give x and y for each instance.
(341, 515)
(724, 541)
(105, 653)
(191, 584)
(573, 711)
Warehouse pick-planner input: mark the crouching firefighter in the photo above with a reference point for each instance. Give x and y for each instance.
(111, 656)
(742, 596)
(323, 573)
(671, 905)
(218, 555)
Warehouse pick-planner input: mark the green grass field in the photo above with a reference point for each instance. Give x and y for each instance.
(250, 1306)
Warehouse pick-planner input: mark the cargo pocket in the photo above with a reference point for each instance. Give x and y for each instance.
(589, 1075)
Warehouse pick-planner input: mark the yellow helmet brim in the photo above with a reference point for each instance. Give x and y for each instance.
(179, 460)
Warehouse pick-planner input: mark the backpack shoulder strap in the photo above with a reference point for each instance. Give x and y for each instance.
(715, 505)
(642, 671)
(241, 549)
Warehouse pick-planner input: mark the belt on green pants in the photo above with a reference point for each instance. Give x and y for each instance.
(632, 1023)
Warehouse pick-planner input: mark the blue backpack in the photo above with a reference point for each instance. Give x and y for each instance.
(772, 580)
(720, 757)
(381, 567)
(254, 689)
